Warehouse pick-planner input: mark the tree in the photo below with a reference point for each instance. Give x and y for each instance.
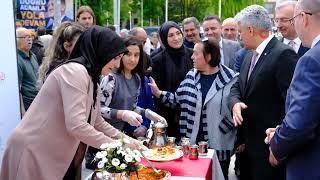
(155, 9)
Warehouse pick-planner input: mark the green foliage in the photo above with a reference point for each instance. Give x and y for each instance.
(155, 9)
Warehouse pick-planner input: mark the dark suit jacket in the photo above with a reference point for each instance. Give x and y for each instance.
(297, 140)
(264, 94)
(302, 50)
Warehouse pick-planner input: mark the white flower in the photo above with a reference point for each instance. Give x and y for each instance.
(123, 166)
(104, 153)
(128, 158)
(104, 160)
(99, 175)
(126, 141)
(115, 162)
(137, 158)
(100, 164)
(113, 145)
(99, 155)
(104, 146)
(120, 152)
(119, 144)
(128, 150)
(105, 175)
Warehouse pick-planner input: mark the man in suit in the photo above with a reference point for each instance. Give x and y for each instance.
(297, 140)
(212, 28)
(191, 32)
(230, 29)
(257, 98)
(283, 13)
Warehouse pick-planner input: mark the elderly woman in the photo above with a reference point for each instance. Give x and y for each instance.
(169, 68)
(202, 96)
(49, 142)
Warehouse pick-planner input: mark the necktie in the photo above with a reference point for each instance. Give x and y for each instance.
(291, 44)
(253, 62)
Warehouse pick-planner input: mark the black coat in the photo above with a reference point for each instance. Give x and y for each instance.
(264, 94)
(168, 72)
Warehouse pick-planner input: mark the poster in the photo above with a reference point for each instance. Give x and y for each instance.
(35, 13)
(9, 92)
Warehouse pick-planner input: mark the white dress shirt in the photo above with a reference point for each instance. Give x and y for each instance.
(315, 41)
(221, 52)
(261, 47)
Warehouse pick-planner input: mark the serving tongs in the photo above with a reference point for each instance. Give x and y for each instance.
(149, 162)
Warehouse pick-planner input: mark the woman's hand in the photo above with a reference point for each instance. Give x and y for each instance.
(155, 117)
(135, 144)
(154, 88)
(131, 117)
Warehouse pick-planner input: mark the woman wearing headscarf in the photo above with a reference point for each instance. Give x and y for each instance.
(169, 68)
(65, 115)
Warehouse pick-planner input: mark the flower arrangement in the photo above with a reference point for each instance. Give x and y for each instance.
(116, 158)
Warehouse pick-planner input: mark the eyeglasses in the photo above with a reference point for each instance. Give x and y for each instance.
(292, 19)
(25, 37)
(282, 20)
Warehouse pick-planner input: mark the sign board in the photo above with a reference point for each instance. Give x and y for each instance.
(35, 13)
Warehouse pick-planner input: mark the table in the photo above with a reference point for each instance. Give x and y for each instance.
(185, 169)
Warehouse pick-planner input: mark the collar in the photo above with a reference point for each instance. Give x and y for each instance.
(263, 45)
(315, 41)
(224, 76)
(296, 41)
(23, 55)
(220, 43)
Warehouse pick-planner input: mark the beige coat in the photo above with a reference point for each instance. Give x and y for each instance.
(43, 145)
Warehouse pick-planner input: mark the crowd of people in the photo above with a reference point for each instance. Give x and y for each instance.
(236, 86)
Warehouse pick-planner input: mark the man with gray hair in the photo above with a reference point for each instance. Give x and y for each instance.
(191, 32)
(297, 140)
(27, 68)
(257, 98)
(283, 20)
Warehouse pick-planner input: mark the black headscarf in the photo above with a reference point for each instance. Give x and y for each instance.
(163, 33)
(96, 47)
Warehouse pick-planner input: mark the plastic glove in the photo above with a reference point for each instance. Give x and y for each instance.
(131, 117)
(155, 117)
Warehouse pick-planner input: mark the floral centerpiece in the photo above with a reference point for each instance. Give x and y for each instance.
(116, 158)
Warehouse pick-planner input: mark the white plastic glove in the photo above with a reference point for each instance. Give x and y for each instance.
(155, 117)
(131, 117)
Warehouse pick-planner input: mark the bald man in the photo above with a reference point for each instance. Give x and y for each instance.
(296, 142)
(230, 29)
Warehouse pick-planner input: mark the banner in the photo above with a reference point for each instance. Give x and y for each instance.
(35, 13)
(9, 91)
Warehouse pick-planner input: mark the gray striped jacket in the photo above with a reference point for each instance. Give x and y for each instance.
(217, 120)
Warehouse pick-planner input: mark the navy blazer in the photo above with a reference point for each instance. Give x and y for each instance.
(297, 140)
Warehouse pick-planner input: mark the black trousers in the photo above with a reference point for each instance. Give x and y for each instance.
(225, 168)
